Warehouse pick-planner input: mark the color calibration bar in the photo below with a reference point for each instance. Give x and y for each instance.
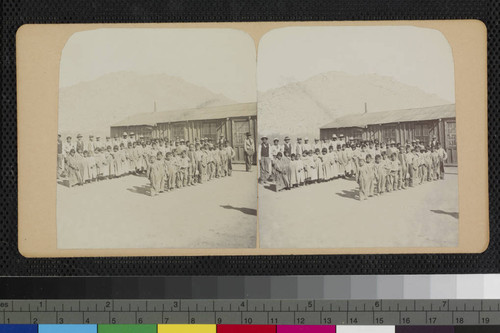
(241, 329)
(470, 286)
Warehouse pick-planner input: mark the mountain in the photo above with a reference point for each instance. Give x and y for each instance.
(93, 106)
(300, 108)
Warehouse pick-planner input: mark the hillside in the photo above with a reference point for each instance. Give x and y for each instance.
(300, 108)
(93, 106)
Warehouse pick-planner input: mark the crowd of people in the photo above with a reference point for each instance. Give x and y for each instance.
(377, 167)
(168, 164)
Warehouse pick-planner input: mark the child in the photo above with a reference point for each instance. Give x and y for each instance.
(380, 174)
(156, 174)
(394, 173)
(92, 167)
(363, 179)
(313, 172)
(223, 161)
(307, 169)
(288, 170)
(371, 175)
(318, 163)
(84, 166)
(72, 169)
(293, 170)
(279, 173)
(102, 165)
(170, 172)
(326, 164)
(183, 169)
(300, 170)
(192, 169)
(404, 168)
(117, 162)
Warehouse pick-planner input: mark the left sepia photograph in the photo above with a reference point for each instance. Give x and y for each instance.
(156, 140)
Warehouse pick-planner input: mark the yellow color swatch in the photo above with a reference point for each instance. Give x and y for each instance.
(173, 328)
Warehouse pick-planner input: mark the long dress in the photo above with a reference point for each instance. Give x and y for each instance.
(293, 173)
(288, 170)
(313, 171)
(326, 167)
(279, 175)
(74, 175)
(83, 167)
(170, 174)
(319, 167)
(300, 172)
(156, 175)
(364, 179)
(92, 168)
(110, 161)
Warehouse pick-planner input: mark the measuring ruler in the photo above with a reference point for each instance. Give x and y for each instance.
(252, 312)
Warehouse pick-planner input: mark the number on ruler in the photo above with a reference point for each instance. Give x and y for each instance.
(405, 320)
(432, 320)
(301, 321)
(459, 320)
(219, 320)
(485, 320)
(248, 320)
(379, 320)
(327, 320)
(273, 320)
(353, 320)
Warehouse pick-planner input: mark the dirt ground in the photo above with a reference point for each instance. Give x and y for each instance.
(329, 215)
(120, 213)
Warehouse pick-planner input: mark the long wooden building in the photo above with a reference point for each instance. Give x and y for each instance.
(231, 121)
(401, 126)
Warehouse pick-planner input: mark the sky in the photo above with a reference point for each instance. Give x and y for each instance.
(419, 57)
(222, 60)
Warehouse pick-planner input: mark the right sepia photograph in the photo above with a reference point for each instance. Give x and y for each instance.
(357, 143)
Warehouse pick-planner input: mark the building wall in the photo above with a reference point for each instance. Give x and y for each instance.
(233, 129)
(405, 133)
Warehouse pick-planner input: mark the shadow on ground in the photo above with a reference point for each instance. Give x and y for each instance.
(452, 214)
(144, 190)
(350, 194)
(244, 210)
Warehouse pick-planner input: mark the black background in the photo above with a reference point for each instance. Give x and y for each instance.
(16, 13)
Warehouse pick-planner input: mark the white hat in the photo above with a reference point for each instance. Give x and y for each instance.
(306, 139)
(124, 133)
(334, 136)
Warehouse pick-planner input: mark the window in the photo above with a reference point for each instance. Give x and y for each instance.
(422, 133)
(209, 130)
(177, 132)
(389, 133)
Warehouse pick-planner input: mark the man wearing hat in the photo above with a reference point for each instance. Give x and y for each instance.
(287, 146)
(306, 146)
(276, 148)
(341, 139)
(264, 158)
(132, 137)
(434, 142)
(91, 145)
(124, 139)
(80, 145)
(334, 142)
(317, 145)
(249, 149)
(221, 140)
(299, 147)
